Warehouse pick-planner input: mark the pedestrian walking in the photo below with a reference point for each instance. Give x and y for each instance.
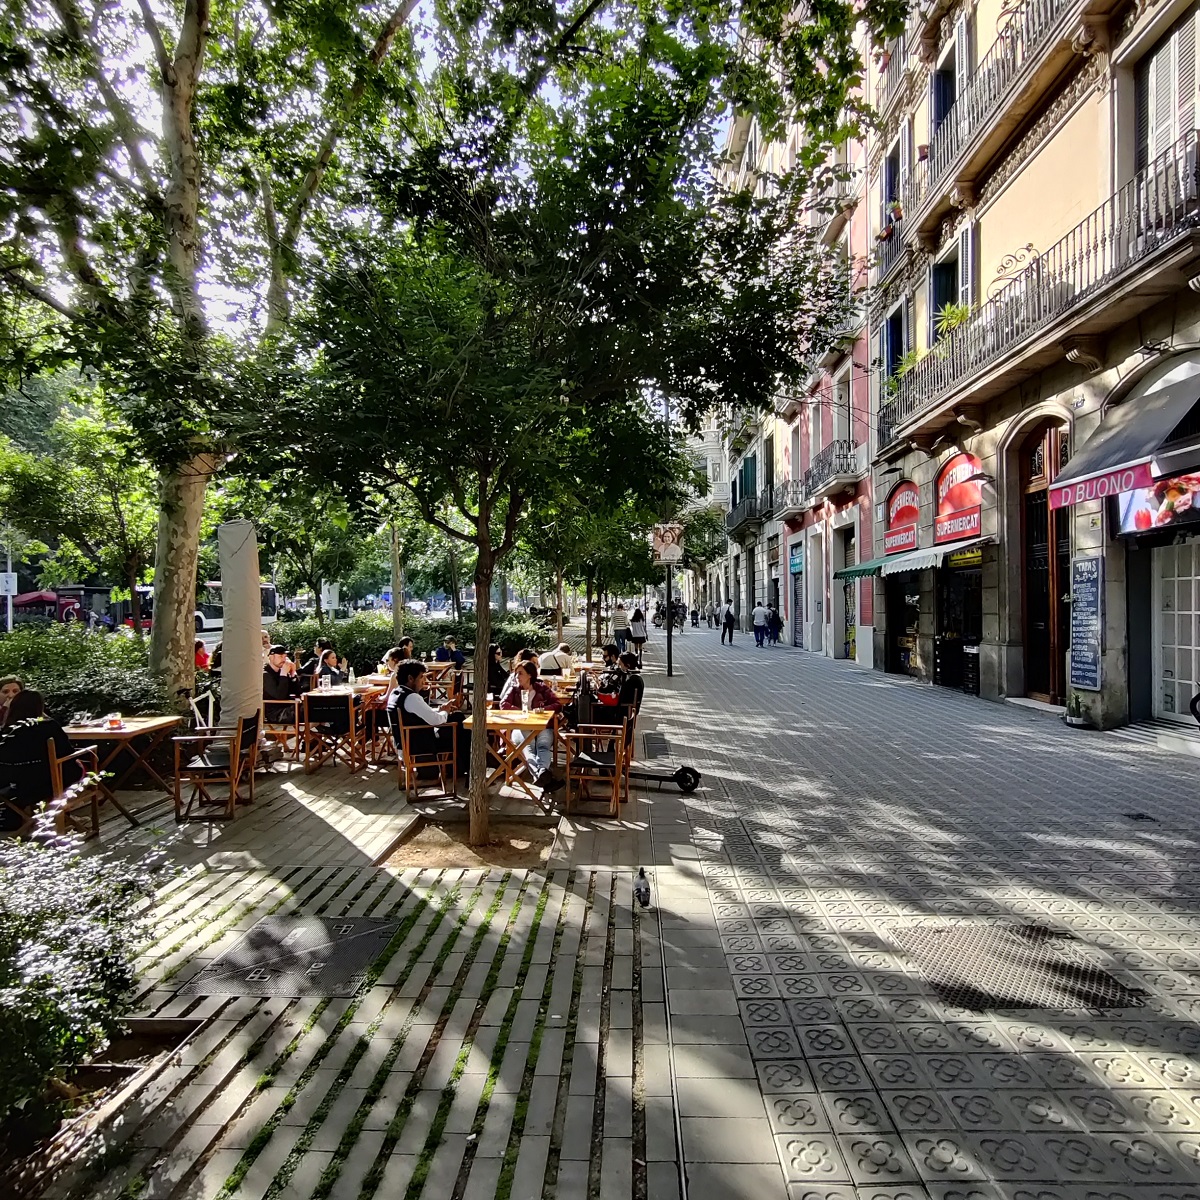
(620, 627)
(758, 615)
(637, 632)
(709, 612)
(727, 622)
(774, 624)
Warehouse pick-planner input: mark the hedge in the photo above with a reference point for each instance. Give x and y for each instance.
(80, 671)
(365, 639)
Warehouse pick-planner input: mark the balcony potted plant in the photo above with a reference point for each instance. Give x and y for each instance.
(884, 233)
(885, 57)
(897, 210)
(923, 152)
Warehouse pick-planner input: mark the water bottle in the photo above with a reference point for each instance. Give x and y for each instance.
(352, 678)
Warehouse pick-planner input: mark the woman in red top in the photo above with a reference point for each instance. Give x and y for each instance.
(202, 659)
(525, 690)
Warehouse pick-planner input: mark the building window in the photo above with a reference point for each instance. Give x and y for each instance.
(952, 72)
(1164, 91)
(795, 463)
(842, 420)
(894, 340)
(952, 281)
(769, 462)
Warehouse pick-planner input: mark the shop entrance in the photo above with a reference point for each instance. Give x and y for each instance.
(903, 599)
(1046, 538)
(849, 630)
(960, 625)
(798, 609)
(1176, 630)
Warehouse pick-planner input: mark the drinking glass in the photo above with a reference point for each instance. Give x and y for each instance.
(324, 683)
(524, 702)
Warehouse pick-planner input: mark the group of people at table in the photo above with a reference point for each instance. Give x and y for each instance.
(517, 684)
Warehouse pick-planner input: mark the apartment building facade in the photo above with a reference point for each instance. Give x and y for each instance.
(994, 484)
(1034, 313)
(800, 478)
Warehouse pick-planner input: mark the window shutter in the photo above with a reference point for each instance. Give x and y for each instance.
(905, 157)
(1141, 111)
(931, 305)
(962, 52)
(1185, 78)
(910, 323)
(1163, 92)
(966, 265)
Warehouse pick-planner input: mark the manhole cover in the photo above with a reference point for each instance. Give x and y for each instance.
(656, 744)
(297, 956)
(999, 966)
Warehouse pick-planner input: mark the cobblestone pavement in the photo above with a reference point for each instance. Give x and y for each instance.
(845, 813)
(763, 1031)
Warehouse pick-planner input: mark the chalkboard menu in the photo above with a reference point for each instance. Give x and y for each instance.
(1087, 622)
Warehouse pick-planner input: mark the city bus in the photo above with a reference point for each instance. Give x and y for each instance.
(210, 612)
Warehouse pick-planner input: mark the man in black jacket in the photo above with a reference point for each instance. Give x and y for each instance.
(280, 682)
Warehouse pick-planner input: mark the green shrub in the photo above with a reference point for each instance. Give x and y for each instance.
(81, 671)
(366, 638)
(68, 939)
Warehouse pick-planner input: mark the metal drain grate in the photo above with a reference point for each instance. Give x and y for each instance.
(655, 744)
(1010, 966)
(297, 956)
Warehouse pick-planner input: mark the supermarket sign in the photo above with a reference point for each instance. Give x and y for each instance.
(903, 511)
(959, 499)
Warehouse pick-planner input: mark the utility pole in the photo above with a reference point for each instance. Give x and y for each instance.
(670, 623)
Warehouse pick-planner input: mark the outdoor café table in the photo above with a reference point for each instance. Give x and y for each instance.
(502, 724)
(140, 737)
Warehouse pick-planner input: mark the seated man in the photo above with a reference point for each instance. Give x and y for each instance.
(526, 690)
(280, 682)
(448, 651)
(558, 660)
(633, 686)
(408, 706)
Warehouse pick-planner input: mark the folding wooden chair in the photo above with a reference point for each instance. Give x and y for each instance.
(333, 729)
(426, 749)
(612, 716)
(65, 807)
(595, 756)
(281, 725)
(216, 758)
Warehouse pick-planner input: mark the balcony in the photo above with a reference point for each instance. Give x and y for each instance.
(1028, 56)
(834, 468)
(766, 502)
(844, 337)
(743, 517)
(887, 86)
(789, 499)
(789, 403)
(1139, 247)
(891, 248)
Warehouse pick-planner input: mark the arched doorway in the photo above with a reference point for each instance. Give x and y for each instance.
(1046, 564)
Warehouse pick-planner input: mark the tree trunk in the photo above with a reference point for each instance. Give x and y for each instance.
(502, 593)
(587, 620)
(173, 632)
(135, 600)
(454, 601)
(559, 602)
(479, 803)
(397, 588)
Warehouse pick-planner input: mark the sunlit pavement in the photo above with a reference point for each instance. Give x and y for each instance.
(846, 815)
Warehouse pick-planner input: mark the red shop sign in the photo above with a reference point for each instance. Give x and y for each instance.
(903, 512)
(959, 499)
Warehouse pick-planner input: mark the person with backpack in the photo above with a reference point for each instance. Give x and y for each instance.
(728, 621)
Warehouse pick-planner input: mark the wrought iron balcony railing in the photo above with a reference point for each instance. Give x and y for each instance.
(789, 497)
(837, 461)
(742, 513)
(1022, 38)
(889, 80)
(891, 245)
(766, 502)
(1159, 206)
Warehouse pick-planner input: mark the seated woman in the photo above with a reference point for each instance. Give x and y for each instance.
(10, 687)
(331, 669)
(24, 759)
(526, 690)
(200, 653)
(408, 706)
(497, 672)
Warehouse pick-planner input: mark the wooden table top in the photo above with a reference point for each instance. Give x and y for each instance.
(514, 718)
(131, 727)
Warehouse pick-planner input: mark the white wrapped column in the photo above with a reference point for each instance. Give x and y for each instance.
(241, 641)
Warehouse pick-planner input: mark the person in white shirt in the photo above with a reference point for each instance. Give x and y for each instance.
(558, 660)
(407, 706)
(759, 616)
(620, 627)
(728, 622)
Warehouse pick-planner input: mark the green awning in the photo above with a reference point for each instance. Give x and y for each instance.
(860, 569)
